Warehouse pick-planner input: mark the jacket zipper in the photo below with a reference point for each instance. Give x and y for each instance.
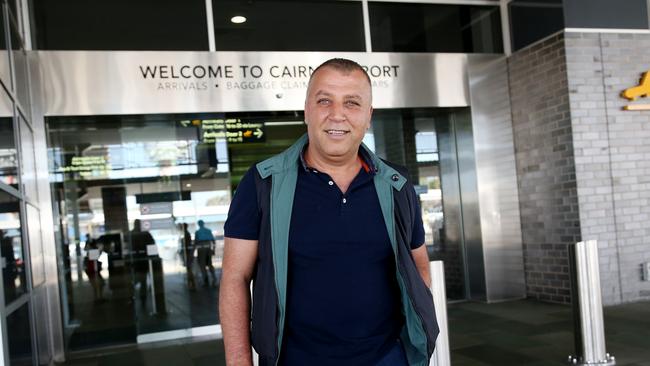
(277, 324)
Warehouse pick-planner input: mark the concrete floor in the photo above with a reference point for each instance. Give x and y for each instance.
(513, 333)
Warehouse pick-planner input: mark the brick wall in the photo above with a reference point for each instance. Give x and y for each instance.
(612, 156)
(545, 166)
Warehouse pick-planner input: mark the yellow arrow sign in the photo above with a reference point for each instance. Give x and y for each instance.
(643, 89)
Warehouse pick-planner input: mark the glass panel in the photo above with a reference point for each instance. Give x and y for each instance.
(532, 21)
(28, 172)
(399, 27)
(288, 25)
(35, 245)
(8, 158)
(121, 25)
(20, 339)
(423, 140)
(11, 248)
(13, 6)
(4, 56)
(123, 185)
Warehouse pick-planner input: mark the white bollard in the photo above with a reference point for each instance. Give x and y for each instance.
(587, 306)
(441, 354)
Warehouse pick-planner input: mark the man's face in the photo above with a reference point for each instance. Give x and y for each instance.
(337, 112)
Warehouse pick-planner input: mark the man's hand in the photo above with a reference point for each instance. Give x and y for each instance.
(421, 258)
(239, 258)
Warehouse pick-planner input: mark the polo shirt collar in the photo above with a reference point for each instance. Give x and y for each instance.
(366, 160)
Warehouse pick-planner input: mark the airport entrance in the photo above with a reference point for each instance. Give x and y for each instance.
(129, 192)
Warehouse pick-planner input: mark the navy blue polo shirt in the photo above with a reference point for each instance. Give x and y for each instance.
(343, 304)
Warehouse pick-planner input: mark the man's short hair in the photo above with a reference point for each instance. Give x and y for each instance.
(342, 65)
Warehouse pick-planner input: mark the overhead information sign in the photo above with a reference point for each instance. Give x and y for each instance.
(142, 82)
(231, 130)
(87, 166)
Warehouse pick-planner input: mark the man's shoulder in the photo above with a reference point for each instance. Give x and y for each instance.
(399, 168)
(286, 160)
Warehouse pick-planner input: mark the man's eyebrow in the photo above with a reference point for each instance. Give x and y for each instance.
(322, 92)
(347, 96)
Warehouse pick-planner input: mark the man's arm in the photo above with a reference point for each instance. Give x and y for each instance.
(239, 258)
(421, 258)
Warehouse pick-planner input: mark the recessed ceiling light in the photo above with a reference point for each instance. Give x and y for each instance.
(238, 19)
(188, 185)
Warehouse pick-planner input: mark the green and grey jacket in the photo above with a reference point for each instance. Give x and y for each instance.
(275, 186)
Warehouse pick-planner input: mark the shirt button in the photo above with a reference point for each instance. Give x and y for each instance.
(330, 183)
(345, 200)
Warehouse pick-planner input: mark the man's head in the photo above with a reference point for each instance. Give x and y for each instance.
(338, 109)
(201, 223)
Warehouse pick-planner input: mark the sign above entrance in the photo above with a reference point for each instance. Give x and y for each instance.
(144, 82)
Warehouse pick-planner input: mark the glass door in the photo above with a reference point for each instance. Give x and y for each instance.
(123, 187)
(130, 194)
(424, 141)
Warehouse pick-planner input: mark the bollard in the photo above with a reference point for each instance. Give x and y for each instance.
(589, 328)
(441, 354)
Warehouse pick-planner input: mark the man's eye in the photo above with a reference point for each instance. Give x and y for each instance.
(352, 103)
(323, 101)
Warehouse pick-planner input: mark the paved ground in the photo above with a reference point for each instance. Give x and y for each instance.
(513, 333)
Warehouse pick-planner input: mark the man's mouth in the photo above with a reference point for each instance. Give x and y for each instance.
(336, 132)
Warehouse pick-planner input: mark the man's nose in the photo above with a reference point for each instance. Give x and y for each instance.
(337, 112)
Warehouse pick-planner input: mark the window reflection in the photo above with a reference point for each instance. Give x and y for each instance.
(7, 143)
(289, 25)
(4, 56)
(20, 339)
(20, 67)
(399, 27)
(35, 245)
(28, 172)
(11, 248)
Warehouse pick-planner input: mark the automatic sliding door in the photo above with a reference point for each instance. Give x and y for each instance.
(424, 140)
(125, 190)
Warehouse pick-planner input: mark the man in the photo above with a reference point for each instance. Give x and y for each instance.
(333, 237)
(139, 242)
(204, 243)
(188, 256)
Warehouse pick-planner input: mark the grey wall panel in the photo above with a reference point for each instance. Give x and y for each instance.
(496, 176)
(49, 301)
(626, 14)
(92, 83)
